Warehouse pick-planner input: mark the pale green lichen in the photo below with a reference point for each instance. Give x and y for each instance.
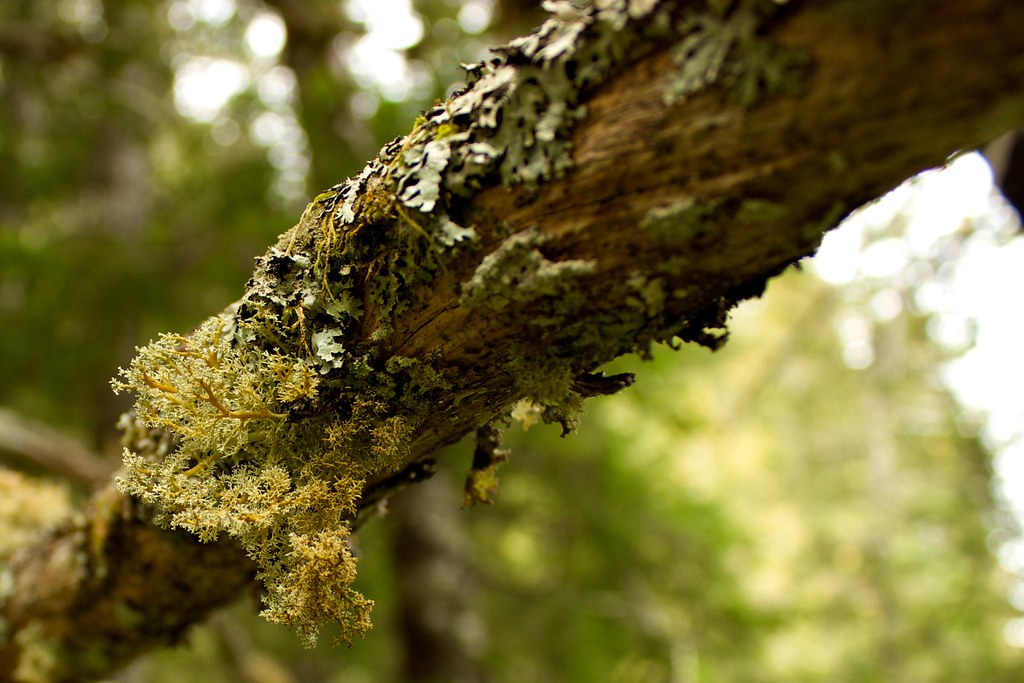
(753, 210)
(518, 272)
(328, 348)
(723, 45)
(685, 220)
(246, 467)
(419, 178)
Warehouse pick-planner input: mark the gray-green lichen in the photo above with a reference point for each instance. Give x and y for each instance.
(723, 45)
(685, 220)
(753, 210)
(516, 114)
(517, 272)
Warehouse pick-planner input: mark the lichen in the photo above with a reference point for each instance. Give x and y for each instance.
(518, 272)
(249, 466)
(482, 478)
(27, 505)
(723, 45)
(685, 220)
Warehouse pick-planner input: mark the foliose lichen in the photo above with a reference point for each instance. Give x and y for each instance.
(517, 272)
(685, 220)
(723, 45)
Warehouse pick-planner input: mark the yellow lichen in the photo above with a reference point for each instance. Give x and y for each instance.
(26, 506)
(285, 486)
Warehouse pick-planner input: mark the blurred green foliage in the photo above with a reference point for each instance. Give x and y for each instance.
(762, 514)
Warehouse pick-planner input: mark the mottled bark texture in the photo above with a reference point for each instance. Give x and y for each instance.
(668, 215)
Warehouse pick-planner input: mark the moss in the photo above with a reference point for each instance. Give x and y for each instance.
(543, 378)
(648, 294)
(547, 380)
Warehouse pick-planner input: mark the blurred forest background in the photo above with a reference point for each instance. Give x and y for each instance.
(812, 503)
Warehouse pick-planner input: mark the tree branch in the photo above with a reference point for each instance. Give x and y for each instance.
(423, 299)
(28, 445)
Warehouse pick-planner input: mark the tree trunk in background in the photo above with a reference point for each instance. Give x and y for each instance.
(440, 632)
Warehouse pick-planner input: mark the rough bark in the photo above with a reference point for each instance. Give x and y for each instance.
(30, 446)
(677, 211)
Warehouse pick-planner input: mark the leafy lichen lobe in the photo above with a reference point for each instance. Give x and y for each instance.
(723, 44)
(517, 272)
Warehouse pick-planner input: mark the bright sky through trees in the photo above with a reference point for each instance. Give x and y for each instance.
(969, 300)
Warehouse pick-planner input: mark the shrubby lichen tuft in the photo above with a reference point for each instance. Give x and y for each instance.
(252, 464)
